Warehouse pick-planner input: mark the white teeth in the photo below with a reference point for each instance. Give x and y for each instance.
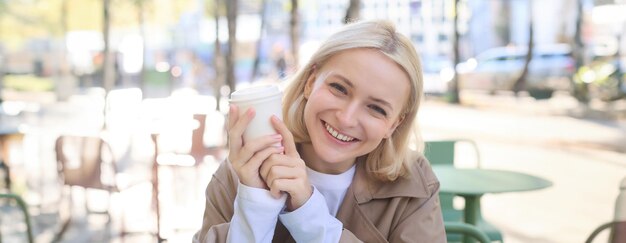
(338, 135)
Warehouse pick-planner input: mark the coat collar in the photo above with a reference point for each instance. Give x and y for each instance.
(367, 188)
(353, 212)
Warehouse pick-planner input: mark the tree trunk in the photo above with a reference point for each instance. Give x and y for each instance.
(3, 6)
(520, 83)
(64, 85)
(217, 57)
(581, 89)
(64, 65)
(257, 56)
(108, 75)
(454, 88)
(353, 11)
(294, 30)
(231, 17)
(142, 33)
(503, 28)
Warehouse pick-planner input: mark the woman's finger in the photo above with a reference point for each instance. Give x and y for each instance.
(235, 132)
(248, 159)
(288, 141)
(274, 161)
(283, 173)
(276, 173)
(234, 142)
(257, 159)
(299, 191)
(233, 115)
(249, 171)
(248, 150)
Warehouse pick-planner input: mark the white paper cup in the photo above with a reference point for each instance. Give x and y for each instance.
(266, 101)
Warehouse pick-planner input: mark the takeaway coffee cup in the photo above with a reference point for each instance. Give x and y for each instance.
(266, 101)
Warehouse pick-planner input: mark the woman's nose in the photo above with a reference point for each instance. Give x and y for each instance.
(347, 115)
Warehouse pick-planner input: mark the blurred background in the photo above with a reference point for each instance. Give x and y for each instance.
(128, 97)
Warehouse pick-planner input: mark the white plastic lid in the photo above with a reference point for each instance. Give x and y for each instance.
(255, 92)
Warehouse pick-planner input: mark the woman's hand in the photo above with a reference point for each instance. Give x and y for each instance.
(246, 157)
(287, 172)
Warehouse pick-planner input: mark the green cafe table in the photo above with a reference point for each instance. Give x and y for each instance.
(472, 184)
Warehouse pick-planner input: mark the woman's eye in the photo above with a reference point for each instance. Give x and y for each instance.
(338, 87)
(378, 110)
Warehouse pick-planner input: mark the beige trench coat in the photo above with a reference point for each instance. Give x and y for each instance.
(406, 210)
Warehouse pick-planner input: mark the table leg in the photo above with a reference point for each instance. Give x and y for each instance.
(472, 209)
(472, 213)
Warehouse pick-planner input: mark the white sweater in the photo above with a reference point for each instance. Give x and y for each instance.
(256, 211)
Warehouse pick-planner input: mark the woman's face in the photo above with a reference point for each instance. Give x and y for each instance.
(358, 101)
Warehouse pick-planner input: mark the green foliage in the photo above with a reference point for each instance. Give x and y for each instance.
(156, 78)
(43, 18)
(27, 83)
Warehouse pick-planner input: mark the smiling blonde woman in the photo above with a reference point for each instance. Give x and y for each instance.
(344, 171)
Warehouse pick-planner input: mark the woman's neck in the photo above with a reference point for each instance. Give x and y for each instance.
(314, 162)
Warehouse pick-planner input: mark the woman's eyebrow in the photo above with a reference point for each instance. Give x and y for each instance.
(344, 79)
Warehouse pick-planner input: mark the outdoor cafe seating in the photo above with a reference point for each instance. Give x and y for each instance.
(442, 152)
(87, 161)
(194, 154)
(472, 184)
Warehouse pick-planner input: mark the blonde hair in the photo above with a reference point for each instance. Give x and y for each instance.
(392, 157)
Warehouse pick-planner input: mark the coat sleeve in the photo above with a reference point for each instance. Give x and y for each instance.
(422, 219)
(220, 196)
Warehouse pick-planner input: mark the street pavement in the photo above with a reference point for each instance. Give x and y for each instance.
(582, 151)
(559, 121)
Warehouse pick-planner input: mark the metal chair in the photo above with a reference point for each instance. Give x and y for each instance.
(618, 225)
(174, 160)
(442, 152)
(197, 150)
(88, 162)
(466, 230)
(194, 155)
(24, 209)
(617, 234)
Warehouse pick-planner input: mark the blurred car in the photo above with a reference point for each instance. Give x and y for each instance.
(437, 74)
(551, 68)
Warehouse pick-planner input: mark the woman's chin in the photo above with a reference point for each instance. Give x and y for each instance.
(335, 159)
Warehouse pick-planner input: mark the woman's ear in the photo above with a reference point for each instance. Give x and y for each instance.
(310, 82)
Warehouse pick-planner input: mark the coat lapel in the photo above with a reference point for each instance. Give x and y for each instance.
(364, 189)
(353, 219)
